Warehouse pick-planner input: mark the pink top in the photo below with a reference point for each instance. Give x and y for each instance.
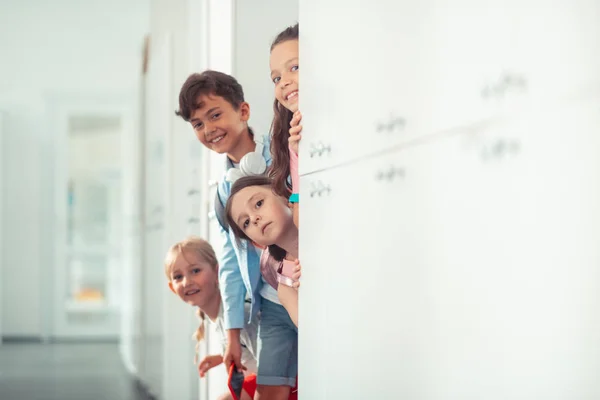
(268, 268)
(294, 171)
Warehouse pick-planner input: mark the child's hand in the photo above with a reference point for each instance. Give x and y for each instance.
(207, 363)
(233, 353)
(295, 130)
(297, 274)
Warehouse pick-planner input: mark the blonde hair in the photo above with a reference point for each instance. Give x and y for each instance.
(203, 251)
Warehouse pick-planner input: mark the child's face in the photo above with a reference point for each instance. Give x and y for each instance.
(218, 125)
(284, 73)
(193, 280)
(261, 214)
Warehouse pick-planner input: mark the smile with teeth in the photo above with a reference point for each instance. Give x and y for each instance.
(217, 139)
(191, 292)
(292, 95)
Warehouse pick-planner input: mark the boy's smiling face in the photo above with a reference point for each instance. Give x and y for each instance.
(219, 126)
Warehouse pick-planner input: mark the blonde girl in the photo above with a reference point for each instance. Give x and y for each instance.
(192, 271)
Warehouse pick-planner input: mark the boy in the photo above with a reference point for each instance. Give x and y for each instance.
(213, 103)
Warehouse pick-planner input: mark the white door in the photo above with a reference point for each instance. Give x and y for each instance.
(365, 76)
(131, 268)
(463, 267)
(394, 72)
(179, 319)
(514, 272)
(158, 116)
(87, 215)
(1, 217)
(473, 219)
(373, 276)
(555, 274)
(561, 62)
(323, 194)
(363, 255)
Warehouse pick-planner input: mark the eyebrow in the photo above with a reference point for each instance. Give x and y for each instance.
(248, 202)
(291, 60)
(205, 114)
(288, 62)
(188, 266)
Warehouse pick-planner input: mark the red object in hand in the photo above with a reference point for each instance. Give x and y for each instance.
(235, 382)
(249, 386)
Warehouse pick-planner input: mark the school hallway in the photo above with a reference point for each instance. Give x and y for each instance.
(449, 169)
(65, 371)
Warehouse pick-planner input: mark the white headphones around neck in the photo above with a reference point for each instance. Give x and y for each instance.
(252, 163)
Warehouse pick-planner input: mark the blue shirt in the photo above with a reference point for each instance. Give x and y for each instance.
(239, 267)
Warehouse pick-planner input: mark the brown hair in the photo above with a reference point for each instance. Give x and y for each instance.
(206, 83)
(204, 251)
(246, 181)
(280, 131)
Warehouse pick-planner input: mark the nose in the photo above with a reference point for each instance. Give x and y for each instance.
(285, 80)
(208, 128)
(256, 218)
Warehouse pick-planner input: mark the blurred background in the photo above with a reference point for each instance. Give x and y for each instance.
(98, 177)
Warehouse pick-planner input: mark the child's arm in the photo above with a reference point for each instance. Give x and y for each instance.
(233, 292)
(295, 130)
(209, 362)
(288, 296)
(297, 274)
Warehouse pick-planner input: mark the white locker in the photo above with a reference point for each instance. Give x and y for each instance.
(462, 265)
(362, 251)
(378, 76)
(556, 47)
(452, 255)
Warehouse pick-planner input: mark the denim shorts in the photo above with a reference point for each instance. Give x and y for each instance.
(277, 346)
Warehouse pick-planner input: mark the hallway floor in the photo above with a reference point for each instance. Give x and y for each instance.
(79, 371)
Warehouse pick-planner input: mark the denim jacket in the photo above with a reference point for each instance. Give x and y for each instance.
(239, 266)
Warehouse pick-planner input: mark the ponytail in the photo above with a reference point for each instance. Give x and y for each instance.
(199, 334)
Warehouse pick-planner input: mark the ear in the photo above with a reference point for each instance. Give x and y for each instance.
(245, 111)
(171, 287)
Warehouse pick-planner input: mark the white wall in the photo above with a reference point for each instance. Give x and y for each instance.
(255, 27)
(51, 50)
(21, 215)
(2, 194)
(165, 346)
